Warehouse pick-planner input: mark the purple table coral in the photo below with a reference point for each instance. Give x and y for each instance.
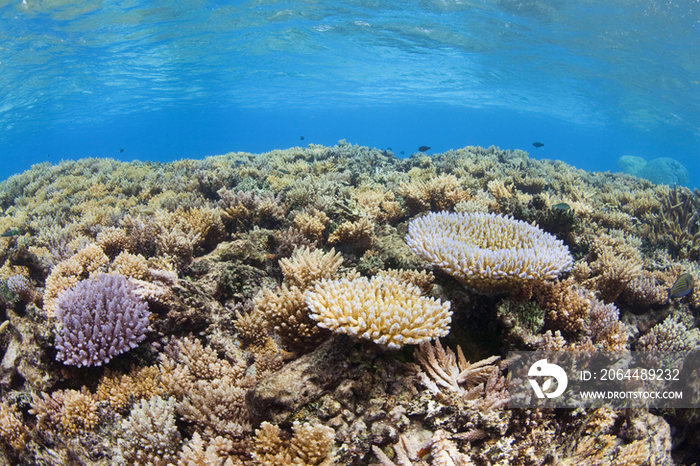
(99, 318)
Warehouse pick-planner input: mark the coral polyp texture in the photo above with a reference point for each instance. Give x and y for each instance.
(100, 318)
(383, 309)
(488, 252)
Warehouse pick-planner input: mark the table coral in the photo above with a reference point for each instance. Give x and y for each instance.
(382, 309)
(488, 252)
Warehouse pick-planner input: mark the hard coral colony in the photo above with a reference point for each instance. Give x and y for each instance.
(195, 312)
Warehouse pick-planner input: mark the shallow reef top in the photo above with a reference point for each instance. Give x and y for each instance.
(219, 271)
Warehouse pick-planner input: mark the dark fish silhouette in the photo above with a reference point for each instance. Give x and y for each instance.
(302, 138)
(423, 148)
(537, 144)
(682, 286)
(121, 150)
(561, 206)
(402, 152)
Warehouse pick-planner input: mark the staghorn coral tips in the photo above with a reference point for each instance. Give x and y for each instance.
(388, 311)
(98, 319)
(487, 252)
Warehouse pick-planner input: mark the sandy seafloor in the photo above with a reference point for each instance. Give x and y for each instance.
(226, 254)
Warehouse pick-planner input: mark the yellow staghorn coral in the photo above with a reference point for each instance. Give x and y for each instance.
(13, 433)
(441, 193)
(312, 226)
(66, 274)
(310, 445)
(71, 411)
(116, 389)
(287, 314)
(422, 279)
(487, 252)
(382, 309)
(307, 267)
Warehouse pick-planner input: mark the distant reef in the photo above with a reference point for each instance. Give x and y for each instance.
(662, 170)
(335, 305)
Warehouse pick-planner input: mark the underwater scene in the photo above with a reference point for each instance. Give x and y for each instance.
(323, 233)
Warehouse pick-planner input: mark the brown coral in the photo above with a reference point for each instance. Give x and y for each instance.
(566, 306)
(13, 433)
(69, 411)
(359, 234)
(307, 267)
(309, 445)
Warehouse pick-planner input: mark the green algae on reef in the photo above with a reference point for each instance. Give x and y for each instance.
(222, 249)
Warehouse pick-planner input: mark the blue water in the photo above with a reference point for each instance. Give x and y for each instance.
(592, 80)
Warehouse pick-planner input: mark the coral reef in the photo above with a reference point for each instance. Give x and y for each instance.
(214, 281)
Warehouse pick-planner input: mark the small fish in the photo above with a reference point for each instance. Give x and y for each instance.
(302, 138)
(682, 286)
(10, 232)
(402, 152)
(388, 148)
(423, 148)
(561, 206)
(121, 150)
(538, 144)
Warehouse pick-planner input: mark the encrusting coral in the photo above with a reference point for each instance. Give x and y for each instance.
(383, 309)
(488, 252)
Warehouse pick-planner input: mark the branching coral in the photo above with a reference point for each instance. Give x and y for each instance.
(441, 369)
(439, 193)
(100, 318)
(359, 234)
(616, 264)
(566, 306)
(670, 335)
(215, 452)
(66, 274)
(118, 390)
(308, 446)
(307, 267)
(210, 391)
(382, 309)
(13, 433)
(150, 436)
(488, 252)
(69, 411)
(312, 226)
(677, 224)
(422, 279)
(287, 315)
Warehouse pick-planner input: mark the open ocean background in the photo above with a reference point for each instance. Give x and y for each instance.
(592, 80)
